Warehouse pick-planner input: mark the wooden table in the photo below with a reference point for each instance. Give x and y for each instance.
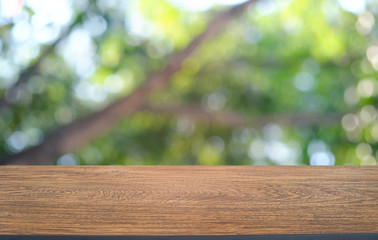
(187, 200)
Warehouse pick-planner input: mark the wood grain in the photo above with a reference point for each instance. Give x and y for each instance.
(188, 200)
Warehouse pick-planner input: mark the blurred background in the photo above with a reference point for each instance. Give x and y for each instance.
(288, 82)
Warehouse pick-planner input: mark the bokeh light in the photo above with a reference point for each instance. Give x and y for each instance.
(286, 83)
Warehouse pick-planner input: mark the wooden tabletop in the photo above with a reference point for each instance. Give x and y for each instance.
(188, 200)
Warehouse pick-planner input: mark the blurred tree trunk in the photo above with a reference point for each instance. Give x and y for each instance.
(78, 133)
(235, 119)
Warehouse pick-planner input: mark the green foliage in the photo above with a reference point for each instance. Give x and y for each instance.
(305, 58)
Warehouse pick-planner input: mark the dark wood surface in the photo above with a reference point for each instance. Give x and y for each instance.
(188, 200)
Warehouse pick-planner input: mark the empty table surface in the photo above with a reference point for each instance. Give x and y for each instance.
(187, 200)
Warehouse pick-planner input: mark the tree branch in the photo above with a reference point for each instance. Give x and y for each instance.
(235, 119)
(76, 134)
(8, 98)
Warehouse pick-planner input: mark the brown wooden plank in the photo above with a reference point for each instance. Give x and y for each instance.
(188, 200)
